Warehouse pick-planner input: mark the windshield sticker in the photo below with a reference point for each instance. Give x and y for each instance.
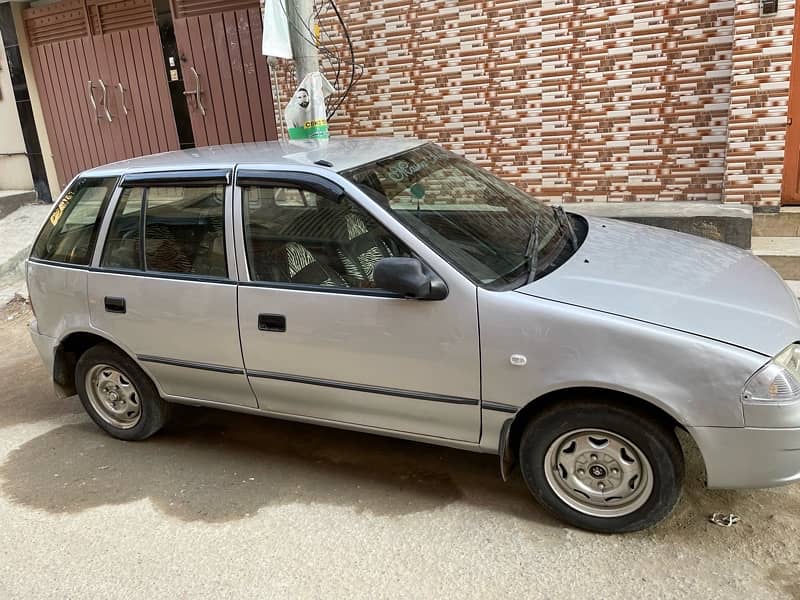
(60, 207)
(404, 169)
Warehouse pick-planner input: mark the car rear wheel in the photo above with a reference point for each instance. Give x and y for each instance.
(602, 466)
(118, 396)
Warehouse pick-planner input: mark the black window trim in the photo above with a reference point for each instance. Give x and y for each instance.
(322, 289)
(193, 178)
(300, 287)
(135, 273)
(142, 229)
(164, 275)
(292, 179)
(58, 263)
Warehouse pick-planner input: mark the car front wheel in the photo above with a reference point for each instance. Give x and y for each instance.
(602, 466)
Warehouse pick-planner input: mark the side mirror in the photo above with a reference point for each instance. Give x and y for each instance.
(408, 277)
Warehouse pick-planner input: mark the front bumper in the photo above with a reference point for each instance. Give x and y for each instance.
(748, 457)
(44, 344)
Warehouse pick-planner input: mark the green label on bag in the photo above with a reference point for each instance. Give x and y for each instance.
(311, 130)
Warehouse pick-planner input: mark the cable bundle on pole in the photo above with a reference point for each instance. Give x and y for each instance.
(331, 56)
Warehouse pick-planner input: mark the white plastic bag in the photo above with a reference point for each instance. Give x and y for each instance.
(275, 41)
(305, 114)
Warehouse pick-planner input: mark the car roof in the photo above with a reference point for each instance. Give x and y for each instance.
(342, 152)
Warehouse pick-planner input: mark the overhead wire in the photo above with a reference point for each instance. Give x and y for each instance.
(323, 32)
(353, 78)
(333, 59)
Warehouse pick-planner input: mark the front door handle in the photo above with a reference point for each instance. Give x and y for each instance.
(271, 323)
(115, 305)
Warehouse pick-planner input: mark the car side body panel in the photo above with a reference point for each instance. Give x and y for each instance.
(58, 295)
(695, 380)
(386, 362)
(355, 357)
(185, 331)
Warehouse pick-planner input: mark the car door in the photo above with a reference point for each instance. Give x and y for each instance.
(165, 285)
(319, 340)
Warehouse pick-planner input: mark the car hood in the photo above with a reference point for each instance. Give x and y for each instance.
(678, 281)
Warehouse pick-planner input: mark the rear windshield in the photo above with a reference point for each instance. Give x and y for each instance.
(70, 232)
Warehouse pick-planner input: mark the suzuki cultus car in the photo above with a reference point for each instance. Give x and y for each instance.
(392, 287)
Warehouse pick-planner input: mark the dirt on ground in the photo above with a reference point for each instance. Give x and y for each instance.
(233, 506)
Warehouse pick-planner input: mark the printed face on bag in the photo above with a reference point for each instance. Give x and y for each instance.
(302, 97)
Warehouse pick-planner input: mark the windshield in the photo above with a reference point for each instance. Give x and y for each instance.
(477, 222)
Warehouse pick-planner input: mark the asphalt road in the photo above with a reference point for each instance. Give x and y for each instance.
(228, 506)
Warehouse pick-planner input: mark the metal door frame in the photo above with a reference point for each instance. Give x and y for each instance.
(790, 182)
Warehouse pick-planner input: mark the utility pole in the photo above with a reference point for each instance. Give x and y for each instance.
(302, 34)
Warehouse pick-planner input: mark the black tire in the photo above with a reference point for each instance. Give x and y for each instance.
(655, 440)
(153, 411)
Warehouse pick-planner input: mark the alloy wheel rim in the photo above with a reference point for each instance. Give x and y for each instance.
(113, 396)
(598, 473)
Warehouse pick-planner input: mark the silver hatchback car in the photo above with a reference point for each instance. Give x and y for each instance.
(390, 286)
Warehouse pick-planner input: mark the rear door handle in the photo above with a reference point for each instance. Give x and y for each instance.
(115, 305)
(271, 322)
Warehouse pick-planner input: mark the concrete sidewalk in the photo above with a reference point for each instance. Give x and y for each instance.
(17, 233)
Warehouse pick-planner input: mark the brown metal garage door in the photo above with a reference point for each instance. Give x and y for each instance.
(225, 75)
(99, 69)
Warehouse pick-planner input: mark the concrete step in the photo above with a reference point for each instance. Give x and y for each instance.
(781, 253)
(17, 232)
(785, 223)
(11, 200)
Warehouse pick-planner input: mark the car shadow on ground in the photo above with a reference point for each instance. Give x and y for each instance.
(215, 466)
(26, 395)
(26, 391)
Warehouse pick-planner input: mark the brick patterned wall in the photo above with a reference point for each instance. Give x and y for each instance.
(762, 52)
(581, 101)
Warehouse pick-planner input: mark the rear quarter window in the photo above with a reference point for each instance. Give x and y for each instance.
(70, 232)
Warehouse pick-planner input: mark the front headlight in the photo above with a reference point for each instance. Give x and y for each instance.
(777, 382)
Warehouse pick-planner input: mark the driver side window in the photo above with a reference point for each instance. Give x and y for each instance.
(293, 235)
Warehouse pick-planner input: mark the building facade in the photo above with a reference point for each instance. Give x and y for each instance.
(599, 101)
(587, 101)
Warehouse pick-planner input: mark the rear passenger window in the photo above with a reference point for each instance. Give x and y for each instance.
(70, 232)
(183, 232)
